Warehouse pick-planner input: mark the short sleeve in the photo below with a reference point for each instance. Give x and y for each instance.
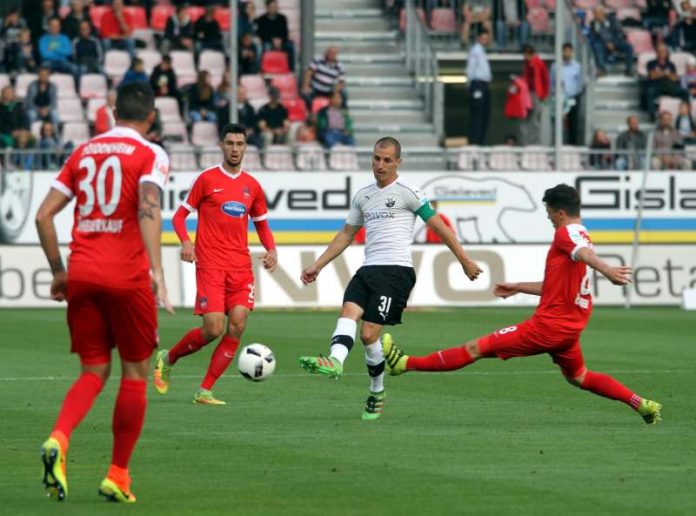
(195, 194)
(314, 64)
(65, 181)
(570, 239)
(415, 198)
(259, 209)
(355, 215)
(159, 171)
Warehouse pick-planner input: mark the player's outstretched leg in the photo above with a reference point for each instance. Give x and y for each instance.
(194, 340)
(394, 356)
(374, 406)
(341, 344)
(55, 480)
(163, 370)
(445, 360)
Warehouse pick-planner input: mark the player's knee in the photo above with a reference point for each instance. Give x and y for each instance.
(101, 370)
(369, 335)
(473, 350)
(213, 329)
(575, 379)
(236, 329)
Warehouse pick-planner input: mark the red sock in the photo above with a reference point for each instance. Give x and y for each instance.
(189, 343)
(129, 416)
(76, 405)
(222, 356)
(605, 385)
(445, 360)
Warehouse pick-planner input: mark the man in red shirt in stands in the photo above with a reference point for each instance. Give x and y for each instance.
(560, 318)
(117, 29)
(104, 117)
(536, 75)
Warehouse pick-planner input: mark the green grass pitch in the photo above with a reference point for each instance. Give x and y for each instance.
(496, 438)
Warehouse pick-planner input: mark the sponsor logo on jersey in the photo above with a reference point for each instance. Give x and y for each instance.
(370, 215)
(234, 209)
(390, 202)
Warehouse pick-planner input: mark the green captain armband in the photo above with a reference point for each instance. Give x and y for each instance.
(425, 212)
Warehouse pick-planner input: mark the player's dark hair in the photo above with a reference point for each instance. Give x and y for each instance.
(134, 101)
(567, 45)
(387, 141)
(233, 129)
(563, 197)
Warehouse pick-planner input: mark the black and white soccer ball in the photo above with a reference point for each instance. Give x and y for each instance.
(256, 362)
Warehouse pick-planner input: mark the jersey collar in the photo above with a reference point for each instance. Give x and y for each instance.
(232, 176)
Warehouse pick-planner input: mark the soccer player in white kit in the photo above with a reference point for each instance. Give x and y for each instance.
(379, 290)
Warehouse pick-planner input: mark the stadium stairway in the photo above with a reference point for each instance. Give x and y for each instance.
(616, 98)
(382, 98)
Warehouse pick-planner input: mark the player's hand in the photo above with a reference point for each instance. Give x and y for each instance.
(270, 260)
(471, 269)
(188, 252)
(161, 292)
(505, 290)
(619, 275)
(310, 274)
(59, 285)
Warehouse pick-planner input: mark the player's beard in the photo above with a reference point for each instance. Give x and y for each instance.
(233, 164)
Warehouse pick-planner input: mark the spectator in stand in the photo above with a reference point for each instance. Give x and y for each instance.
(55, 49)
(272, 28)
(247, 117)
(476, 13)
(684, 8)
(163, 79)
(246, 21)
(324, 77)
(77, 15)
(48, 11)
(23, 158)
(50, 146)
(41, 102)
(13, 120)
(511, 19)
(207, 32)
(689, 80)
(87, 51)
(178, 34)
(334, 124)
(223, 94)
(136, 73)
(657, 14)
(662, 80)
(202, 99)
(27, 59)
(666, 139)
(571, 82)
(601, 157)
(630, 146)
(478, 72)
(11, 36)
(607, 40)
(510, 140)
(154, 135)
(117, 29)
(536, 75)
(685, 124)
(248, 58)
(105, 115)
(683, 35)
(307, 132)
(274, 124)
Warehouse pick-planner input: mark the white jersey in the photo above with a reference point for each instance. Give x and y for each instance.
(389, 215)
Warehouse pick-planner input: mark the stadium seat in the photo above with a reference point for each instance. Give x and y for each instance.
(469, 158)
(628, 13)
(538, 19)
(70, 110)
(168, 108)
(92, 106)
(194, 12)
(204, 134)
(343, 157)
(36, 129)
(209, 157)
(255, 86)
(159, 16)
(184, 66)
(22, 82)
(616, 5)
(137, 15)
(252, 160)
(287, 84)
(275, 61)
(535, 158)
(641, 41)
(96, 12)
(75, 132)
(442, 19)
(550, 5)
(297, 110)
(587, 5)
(182, 157)
(310, 157)
(4, 80)
(116, 63)
(147, 36)
(533, 4)
(174, 132)
(681, 60)
(571, 158)
(92, 85)
(402, 18)
(643, 60)
(222, 16)
(258, 103)
(502, 157)
(641, 4)
(213, 62)
(318, 103)
(278, 157)
(151, 58)
(670, 104)
(65, 85)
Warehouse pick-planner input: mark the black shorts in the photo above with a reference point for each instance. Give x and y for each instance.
(381, 291)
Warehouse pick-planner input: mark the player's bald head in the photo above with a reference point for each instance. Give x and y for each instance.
(388, 141)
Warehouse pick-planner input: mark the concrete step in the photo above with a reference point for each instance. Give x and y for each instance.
(360, 48)
(369, 117)
(363, 80)
(343, 25)
(386, 125)
(385, 104)
(369, 57)
(363, 36)
(368, 138)
(334, 13)
(619, 93)
(616, 118)
(373, 93)
(379, 69)
(323, 5)
(610, 104)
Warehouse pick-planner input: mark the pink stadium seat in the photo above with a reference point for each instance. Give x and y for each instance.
(209, 157)
(279, 157)
(615, 5)
(641, 4)
(137, 15)
(275, 61)
(550, 5)
(533, 4)
(195, 12)
(174, 132)
(204, 134)
(147, 36)
(502, 157)
(213, 62)
(343, 157)
(151, 58)
(402, 18)
(159, 16)
(36, 129)
(287, 84)
(643, 59)
(92, 106)
(641, 41)
(255, 86)
(538, 19)
(670, 104)
(222, 16)
(182, 157)
(22, 83)
(116, 63)
(585, 4)
(4, 80)
(252, 160)
(297, 110)
(92, 85)
(310, 157)
(535, 158)
(680, 60)
(182, 62)
(75, 132)
(571, 158)
(96, 12)
(469, 157)
(70, 110)
(626, 13)
(259, 102)
(318, 103)
(442, 19)
(65, 84)
(168, 108)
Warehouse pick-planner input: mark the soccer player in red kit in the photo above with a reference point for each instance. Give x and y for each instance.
(225, 197)
(116, 179)
(562, 314)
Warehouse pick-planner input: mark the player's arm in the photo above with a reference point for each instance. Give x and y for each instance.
(523, 287)
(188, 250)
(620, 275)
(150, 221)
(53, 204)
(339, 244)
(263, 230)
(435, 222)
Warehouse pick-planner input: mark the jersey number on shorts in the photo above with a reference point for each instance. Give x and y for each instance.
(384, 306)
(509, 329)
(112, 165)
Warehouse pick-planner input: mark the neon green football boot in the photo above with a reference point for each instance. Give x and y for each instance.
(205, 397)
(650, 411)
(394, 357)
(160, 375)
(113, 492)
(374, 406)
(328, 366)
(55, 480)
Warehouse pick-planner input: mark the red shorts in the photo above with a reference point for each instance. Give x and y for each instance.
(522, 340)
(102, 318)
(220, 291)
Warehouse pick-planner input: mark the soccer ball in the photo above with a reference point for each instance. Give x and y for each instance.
(256, 362)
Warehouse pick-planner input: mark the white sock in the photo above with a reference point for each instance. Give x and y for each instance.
(375, 365)
(343, 338)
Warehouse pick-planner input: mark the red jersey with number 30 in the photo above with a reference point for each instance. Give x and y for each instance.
(104, 174)
(566, 297)
(225, 202)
